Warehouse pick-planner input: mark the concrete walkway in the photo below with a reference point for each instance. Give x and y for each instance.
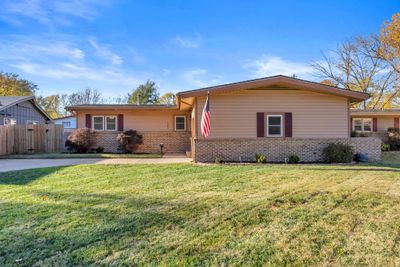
(22, 164)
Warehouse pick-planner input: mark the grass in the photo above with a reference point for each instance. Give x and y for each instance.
(77, 155)
(191, 215)
(391, 158)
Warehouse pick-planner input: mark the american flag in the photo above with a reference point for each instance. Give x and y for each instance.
(205, 120)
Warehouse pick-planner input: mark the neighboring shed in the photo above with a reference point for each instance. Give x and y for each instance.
(21, 110)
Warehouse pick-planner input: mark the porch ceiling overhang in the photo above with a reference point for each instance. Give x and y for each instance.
(375, 112)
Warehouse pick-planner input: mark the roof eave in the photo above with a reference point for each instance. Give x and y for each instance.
(124, 107)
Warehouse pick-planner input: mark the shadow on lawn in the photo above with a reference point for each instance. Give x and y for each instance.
(357, 169)
(373, 167)
(23, 177)
(77, 228)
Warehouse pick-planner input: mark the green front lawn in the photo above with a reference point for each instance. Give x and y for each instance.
(184, 214)
(78, 156)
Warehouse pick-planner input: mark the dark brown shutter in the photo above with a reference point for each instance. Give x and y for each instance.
(120, 122)
(375, 124)
(88, 121)
(396, 123)
(260, 124)
(288, 124)
(351, 125)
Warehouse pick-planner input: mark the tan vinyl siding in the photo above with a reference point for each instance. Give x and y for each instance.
(148, 120)
(384, 122)
(314, 114)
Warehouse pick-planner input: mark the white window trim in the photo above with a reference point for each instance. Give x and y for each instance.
(274, 135)
(93, 123)
(105, 123)
(180, 116)
(362, 125)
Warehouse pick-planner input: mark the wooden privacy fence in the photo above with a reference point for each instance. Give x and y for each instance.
(31, 138)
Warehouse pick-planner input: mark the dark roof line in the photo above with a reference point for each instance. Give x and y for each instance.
(122, 106)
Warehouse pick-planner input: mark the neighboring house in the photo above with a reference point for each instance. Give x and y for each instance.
(21, 110)
(69, 122)
(277, 116)
(374, 122)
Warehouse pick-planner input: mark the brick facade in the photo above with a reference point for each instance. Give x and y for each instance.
(277, 149)
(174, 142)
(384, 136)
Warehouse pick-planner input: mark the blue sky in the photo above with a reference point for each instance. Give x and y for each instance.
(111, 45)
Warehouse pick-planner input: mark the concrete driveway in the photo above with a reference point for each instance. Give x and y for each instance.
(22, 164)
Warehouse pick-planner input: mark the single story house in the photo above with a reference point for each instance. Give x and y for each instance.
(277, 116)
(374, 122)
(21, 110)
(69, 122)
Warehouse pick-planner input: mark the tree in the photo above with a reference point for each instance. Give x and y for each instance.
(144, 94)
(390, 36)
(117, 100)
(87, 96)
(390, 43)
(12, 85)
(52, 105)
(356, 65)
(328, 82)
(55, 105)
(167, 99)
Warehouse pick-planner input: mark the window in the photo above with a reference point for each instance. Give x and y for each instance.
(180, 123)
(9, 121)
(111, 123)
(274, 125)
(104, 123)
(98, 123)
(362, 125)
(66, 124)
(31, 122)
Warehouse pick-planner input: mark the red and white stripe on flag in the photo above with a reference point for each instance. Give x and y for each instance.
(205, 119)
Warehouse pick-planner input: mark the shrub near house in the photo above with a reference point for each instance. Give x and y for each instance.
(81, 140)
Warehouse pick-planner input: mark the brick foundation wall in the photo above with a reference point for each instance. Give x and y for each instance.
(277, 149)
(174, 142)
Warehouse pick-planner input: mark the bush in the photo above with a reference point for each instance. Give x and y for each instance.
(385, 147)
(394, 144)
(394, 139)
(80, 140)
(260, 158)
(294, 159)
(99, 149)
(129, 140)
(337, 153)
(218, 160)
(359, 134)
